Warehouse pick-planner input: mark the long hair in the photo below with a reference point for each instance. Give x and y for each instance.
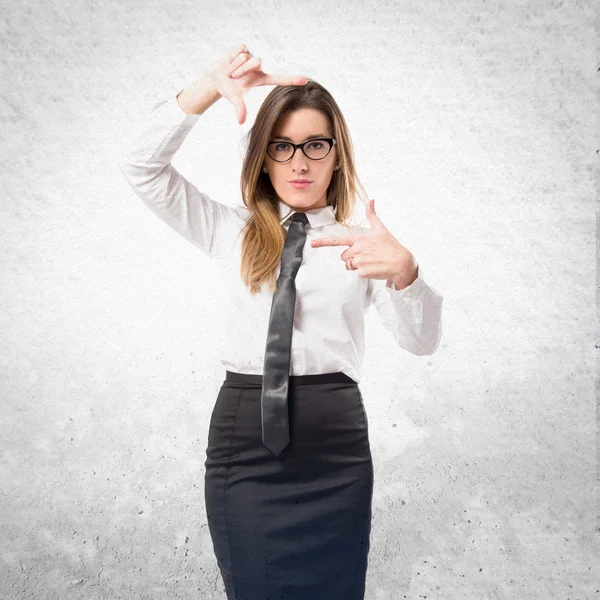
(264, 236)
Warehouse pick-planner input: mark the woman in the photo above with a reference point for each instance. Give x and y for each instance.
(289, 521)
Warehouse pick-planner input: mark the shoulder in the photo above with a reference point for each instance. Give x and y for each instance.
(242, 213)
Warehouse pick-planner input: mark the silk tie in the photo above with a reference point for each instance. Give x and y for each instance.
(276, 369)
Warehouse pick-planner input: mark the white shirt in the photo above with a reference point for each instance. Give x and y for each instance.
(331, 301)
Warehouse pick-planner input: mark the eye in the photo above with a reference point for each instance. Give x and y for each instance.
(316, 145)
(278, 146)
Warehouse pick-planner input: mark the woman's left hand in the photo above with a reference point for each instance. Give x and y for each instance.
(377, 254)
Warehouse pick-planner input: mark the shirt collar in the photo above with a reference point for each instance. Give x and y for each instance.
(317, 217)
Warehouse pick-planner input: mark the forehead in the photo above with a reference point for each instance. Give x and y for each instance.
(301, 123)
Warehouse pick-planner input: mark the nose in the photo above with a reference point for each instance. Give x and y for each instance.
(299, 160)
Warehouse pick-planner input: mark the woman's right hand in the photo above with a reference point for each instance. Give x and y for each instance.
(234, 74)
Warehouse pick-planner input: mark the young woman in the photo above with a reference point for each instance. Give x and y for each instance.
(291, 523)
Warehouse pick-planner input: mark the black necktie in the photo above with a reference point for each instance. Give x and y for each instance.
(276, 371)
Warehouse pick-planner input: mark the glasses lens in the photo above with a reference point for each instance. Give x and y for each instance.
(316, 149)
(280, 150)
(283, 151)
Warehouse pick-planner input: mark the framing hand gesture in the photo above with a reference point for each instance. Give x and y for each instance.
(239, 71)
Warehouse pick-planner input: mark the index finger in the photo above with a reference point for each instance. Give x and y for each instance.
(285, 79)
(237, 50)
(334, 240)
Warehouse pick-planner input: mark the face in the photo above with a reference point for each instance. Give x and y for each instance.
(298, 126)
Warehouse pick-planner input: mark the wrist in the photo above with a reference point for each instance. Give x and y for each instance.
(199, 96)
(402, 282)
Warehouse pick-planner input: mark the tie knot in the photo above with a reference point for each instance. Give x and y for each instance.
(298, 216)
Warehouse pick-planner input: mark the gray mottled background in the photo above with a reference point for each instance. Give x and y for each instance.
(474, 128)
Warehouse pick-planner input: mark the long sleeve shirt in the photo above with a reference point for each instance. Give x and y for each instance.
(331, 301)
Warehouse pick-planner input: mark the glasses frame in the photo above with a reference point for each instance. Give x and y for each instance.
(332, 143)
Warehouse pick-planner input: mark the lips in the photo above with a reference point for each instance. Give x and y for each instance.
(300, 185)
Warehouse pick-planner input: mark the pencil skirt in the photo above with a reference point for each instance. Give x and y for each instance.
(295, 526)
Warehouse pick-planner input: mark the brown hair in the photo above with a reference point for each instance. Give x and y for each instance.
(264, 236)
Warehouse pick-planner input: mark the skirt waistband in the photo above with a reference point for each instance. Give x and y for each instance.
(250, 379)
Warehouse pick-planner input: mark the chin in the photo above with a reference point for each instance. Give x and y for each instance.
(306, 205)
(303, 202)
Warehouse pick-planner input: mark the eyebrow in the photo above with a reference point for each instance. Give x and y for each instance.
(310, 137)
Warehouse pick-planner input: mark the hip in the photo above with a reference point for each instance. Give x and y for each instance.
(327, 419)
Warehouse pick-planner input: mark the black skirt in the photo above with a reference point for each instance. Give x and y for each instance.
(294, 526)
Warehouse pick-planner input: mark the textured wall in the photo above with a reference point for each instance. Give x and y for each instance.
(474, 129)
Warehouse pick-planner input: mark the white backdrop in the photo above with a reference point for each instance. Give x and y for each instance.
(473, 125)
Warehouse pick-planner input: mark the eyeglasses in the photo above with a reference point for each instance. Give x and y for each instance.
(316, 149)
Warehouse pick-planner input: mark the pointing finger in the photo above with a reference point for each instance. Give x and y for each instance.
(334, 240)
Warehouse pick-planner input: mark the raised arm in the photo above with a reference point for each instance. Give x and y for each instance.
(146, 163)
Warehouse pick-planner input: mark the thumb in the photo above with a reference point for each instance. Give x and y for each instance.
(372, 217)
(241, 111)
